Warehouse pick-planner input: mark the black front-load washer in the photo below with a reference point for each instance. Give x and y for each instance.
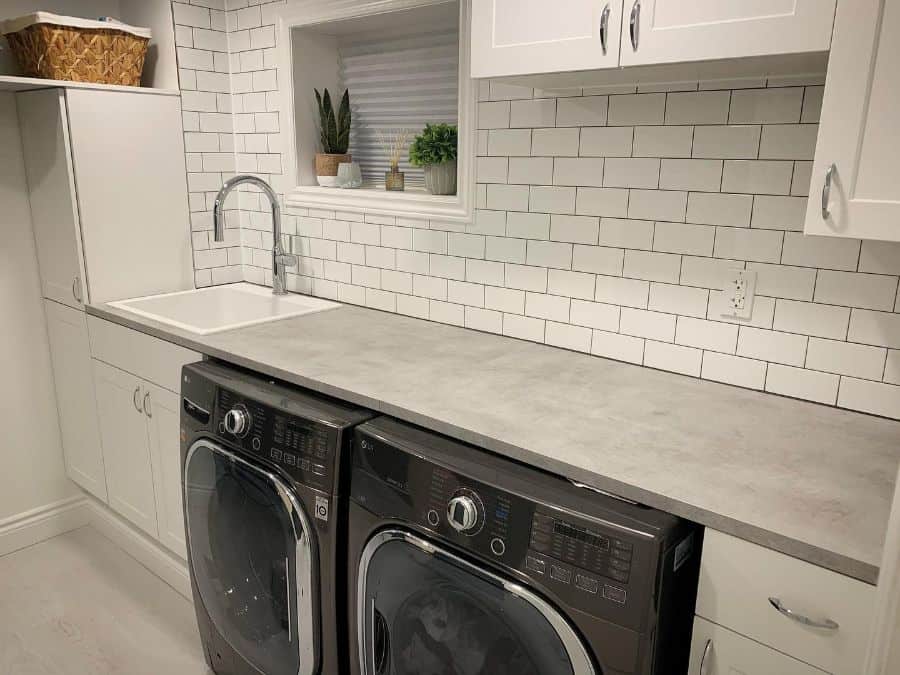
(464, 562)
(262, 473)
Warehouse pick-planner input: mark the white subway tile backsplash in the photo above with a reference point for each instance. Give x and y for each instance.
(681, 300)
(846, 358)
(598, 259)
(757, 177)
(611, 202)
(619, 291)
(533, 113)
(875, 328)
(735, 370)
(652, 325)
(801, 180)
(507, 197)
(828, 321)
(812, 104)
(504, 299)
(702, 175)
(799, 383)
(465, 293)
(584, 111)
(682, 238)
(871, 397)
(570, 284)
(574, 229)
(549, 199)
(698, 107)
(531, 170)
(509, 142)
(892, 367)
(527, 277)
(666, 205)
(783, 281)
(465, 245)
(663, 267)
(606, 142)
(707, 272)
(577, 171)
(740, 243)
(447, 267)
(712, 335)
(555, 142)
(632, 234)
(446, 312)
(505, 249)
(657, 141)
(719, 209)
(788, 141)
(492, 169)
(772, 346)
(824, 252)
(568, 336)
(528, 225)
(493, 114)
(631, 172)
(542, 306)
(485, 272)
(880, 257)
(509, 92)
(595, 315)
(549, 254)
(726, 142)
(778, 213)
(616, 346)
(483, 320)
(868, 291)
(523, 327)
(632, 109)
(674, 358)
(766, 106)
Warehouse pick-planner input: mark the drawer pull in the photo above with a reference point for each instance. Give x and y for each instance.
(604, 26)
(706, 651)
(826, 624)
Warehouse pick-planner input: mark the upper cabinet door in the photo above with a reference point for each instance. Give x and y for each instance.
(669, 31)
(854, 190)
(51, 190)
(520, 37)
(128, 154)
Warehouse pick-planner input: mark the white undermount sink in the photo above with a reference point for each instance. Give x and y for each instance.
(220, 308)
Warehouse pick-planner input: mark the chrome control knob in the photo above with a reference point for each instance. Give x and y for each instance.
(237, 421)
(462, 513)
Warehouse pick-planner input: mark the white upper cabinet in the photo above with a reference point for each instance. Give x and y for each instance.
(51, 186)
(855, 191)
(671, 31)
(520, 37)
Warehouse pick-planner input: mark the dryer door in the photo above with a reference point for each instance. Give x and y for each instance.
(252, 560)
(425, 611)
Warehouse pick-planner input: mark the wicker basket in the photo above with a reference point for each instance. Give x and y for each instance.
(64, 48)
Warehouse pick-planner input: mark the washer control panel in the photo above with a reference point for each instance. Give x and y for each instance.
(302, 448)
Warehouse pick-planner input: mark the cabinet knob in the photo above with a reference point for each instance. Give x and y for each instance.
(826, 624)
(826, 191)
(604, 27)
(634, 24)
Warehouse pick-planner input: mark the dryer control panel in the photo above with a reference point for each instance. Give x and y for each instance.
(597, 566)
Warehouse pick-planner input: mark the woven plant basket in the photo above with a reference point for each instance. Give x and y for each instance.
(100, 55)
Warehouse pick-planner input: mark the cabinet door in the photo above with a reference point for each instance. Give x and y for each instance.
(522, 37)
(126, 447)
(719, 651)
(858, 132)
(162, 409)
(51, 190)
(668, 31)
(75, 399)
(128, 155)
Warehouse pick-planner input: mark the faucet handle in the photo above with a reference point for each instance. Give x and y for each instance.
(287, 260)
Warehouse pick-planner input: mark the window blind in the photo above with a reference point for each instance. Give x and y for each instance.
(398, 80)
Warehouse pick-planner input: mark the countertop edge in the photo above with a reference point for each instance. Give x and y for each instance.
(857, 569)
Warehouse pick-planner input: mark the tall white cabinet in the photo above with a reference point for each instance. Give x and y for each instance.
(854, 190)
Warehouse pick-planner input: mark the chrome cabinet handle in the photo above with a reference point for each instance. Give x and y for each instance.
(706, 651)
(76, 290)
(826, 191)
(826, 624)
(147, 411)
(134, 399)
(604, 27)
(634, 24)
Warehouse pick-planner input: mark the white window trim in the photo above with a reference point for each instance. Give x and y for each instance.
(411, 204)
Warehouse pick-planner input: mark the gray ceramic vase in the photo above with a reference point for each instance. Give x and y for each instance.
(440, 179)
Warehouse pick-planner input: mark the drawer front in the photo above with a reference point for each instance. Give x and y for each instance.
(738, 578)
(155, 360)
(719, 651)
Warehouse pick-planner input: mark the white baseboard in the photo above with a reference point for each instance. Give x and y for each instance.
(150, 553)
(34, 526)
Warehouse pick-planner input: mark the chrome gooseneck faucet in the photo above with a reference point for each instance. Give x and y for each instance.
(280, 260)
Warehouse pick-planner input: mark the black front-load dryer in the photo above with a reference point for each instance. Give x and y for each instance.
(262, 472)
(468, 563)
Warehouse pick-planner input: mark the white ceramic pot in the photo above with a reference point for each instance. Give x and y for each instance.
(440, 179)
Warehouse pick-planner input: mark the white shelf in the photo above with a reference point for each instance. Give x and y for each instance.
(17, 83)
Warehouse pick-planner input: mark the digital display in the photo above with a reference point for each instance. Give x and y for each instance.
(581, 535)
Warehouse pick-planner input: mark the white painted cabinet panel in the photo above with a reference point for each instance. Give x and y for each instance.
(71, 356)
(51, 189)
(671, 31)
(162, 409)
(128, 155)
(520, 37)
(719, 651)
(858, 132)
(126, 446)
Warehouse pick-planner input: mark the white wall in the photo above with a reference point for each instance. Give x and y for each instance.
(30, 449)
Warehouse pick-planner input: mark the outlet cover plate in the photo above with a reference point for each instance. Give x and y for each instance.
(740, 292)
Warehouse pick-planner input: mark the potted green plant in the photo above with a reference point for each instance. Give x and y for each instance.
(435, 150)
(335, 136)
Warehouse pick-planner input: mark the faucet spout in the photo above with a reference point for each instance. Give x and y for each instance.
(280, 260)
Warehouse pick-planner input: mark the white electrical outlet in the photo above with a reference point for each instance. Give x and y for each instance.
(739, 294)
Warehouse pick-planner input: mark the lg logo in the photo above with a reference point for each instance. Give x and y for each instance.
(322, 508)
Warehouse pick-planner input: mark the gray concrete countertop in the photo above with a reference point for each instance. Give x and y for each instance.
(810, 481)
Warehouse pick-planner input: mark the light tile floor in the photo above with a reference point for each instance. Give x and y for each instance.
(79, 605)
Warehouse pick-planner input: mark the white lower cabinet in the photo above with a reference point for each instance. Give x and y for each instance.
(719, 651)
(70, 352)
(126, 446)
(163, 411)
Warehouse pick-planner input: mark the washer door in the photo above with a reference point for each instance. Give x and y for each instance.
(252, 560)
(424, 611)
